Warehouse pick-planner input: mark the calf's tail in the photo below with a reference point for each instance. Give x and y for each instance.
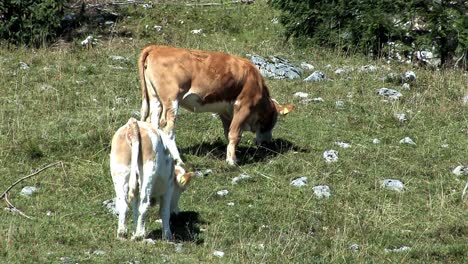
(144, 89)
(134, 138)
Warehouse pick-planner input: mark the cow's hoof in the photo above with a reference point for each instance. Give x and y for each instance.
(231, 162)
(136, 237)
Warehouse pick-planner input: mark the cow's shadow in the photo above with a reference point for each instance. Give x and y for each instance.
(245, 154)
(184, 227)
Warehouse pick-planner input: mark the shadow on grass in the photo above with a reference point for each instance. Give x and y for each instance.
(184, 227)
(245, 154)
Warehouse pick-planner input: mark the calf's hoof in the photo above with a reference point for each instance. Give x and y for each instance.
(137, 237)
(231, 162)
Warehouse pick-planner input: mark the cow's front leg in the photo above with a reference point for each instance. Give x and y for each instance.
(165, 213)
(235, 133)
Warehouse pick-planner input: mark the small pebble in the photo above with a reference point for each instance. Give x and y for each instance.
(400, 249)
(28, 191)
(241, 177)
(322, 191)
(218, 253)
(460, 170)
(343, 144)
(299, 182)
(407, 140)
(222, 193)
(392, 184)
(330, 156)
(376, 141)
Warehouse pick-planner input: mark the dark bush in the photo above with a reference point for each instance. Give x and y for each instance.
(30, 22)
(382, 27)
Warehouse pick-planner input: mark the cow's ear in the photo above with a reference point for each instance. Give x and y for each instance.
(282, 109)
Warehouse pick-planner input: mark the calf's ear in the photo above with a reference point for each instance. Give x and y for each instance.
(282, 109)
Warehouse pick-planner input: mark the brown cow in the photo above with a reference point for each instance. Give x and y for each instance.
(204, 81)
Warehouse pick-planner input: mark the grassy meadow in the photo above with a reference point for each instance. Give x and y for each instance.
(69, 102)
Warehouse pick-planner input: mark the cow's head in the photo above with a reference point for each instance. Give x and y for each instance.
(268, 121)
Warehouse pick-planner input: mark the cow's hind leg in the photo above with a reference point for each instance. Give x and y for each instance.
(120, 175)
(146, 181)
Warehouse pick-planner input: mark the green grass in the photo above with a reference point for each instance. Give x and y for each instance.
(87, 99)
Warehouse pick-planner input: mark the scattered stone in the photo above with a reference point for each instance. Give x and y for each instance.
(149, 241)
(400, 249)
(207, 172)
(465, 99)
(316, 76)
(401, 117)
(66, 260)
(307, 66)
(23, 65)
(118, 58)
(198, 174)
(230, 204)
(157, 28)
(218, 253)
(392, 184)
(328, 66)
(89, 41)
(49, 213)
(406, 86)
(344, 70)
(330, 156)
(322, 191)
(147, 6)
(28, 191)
(121, 100)
(410, 76)
(301, 95)
(116, 67)
(349, 95)
(390, 93)
(299, 182)
(222, 193)
(46, 87)
(460, 170)
(428, 58)
(444, 145)
(376, 141)
(339, 104)
(178, 247)
(342, 144)
(315, 100)
(110, 206)
(368, 68)
(99, 252)
(241, 177)
(196, 31)
(407, 140)
(276, 67)
(109, 23)
(353, 247)
(275, 20)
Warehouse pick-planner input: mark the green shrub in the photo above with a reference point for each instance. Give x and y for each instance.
(439, 26)
(30, 22)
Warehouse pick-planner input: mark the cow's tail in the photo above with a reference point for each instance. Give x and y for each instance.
(144, 90)
(170, 145)
(134, 138)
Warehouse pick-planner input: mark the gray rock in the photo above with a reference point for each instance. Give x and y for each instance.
(99, 252)
(301, 95)
(222, 193)
(339, 104)
(110, 206)
(342, 144)
(460, 170)
(407, 140)
(465, 99)
(315, 77)
(330, 156)
(410, 76)
(344, 70)
(389, 93)
(241, 177)
(322, 191)
(376, 141)
(428, 58)
(299, 182)
(400, 249)
(401, 117)
(23, 65)
(307, 66)
(118, 58)
(196, 31)
(276, 67)
(368, 68)
(218, 253)
(109, 23)
(406, 86)
(353, 247)
(28, 191)
(392, 184)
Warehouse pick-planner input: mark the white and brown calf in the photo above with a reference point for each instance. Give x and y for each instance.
(142, 168)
